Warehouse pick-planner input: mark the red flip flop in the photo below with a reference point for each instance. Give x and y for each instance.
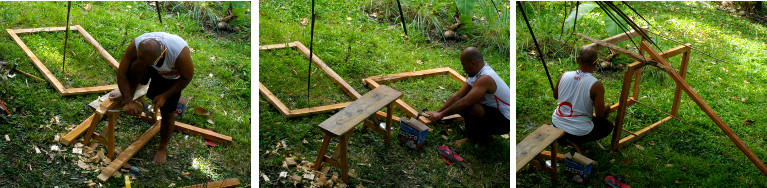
(615, 182)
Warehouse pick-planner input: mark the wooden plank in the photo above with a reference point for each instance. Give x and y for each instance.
(617, 38)
(534, 143)
(227, 183)
(277, 46)
(70, 137)
(457, 76)
(618, 127)
(210, 135)
(318, 109)
(401, 104)
(367, 105)
(329, 72)
(641, 133)
(547, 154)
(408, 75)
(273, 99)
(678, 90)
(104, 54)
(42, 29)
(613, 47)
(87, 90)
(38, 64)
(707, 109)
(128, 153)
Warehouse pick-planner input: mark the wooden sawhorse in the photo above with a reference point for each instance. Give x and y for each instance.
(342, 125)
(534, 144)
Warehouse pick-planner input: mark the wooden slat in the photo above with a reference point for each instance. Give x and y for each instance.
(620, 116)
(38, 64)
(617, 38)
(43, 29)
(231, 182)
(401, 104)
(547, 154)
(678, 90)
(277, 46)
(318, 109)
(534, 143)
(457, 76)
(104, 54)
(409, 75)
(329, 72)
(707, 109)
(273, 99)
(210, 135)
(641, 133)
(128, 153)
(360, 109)
(613, 47)
(87, 90)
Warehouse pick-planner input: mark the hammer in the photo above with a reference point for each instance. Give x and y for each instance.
(423, 113)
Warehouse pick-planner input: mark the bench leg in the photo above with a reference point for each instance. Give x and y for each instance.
(110, 135)
(388, 123)
(343, 159)
(91, 129)
(554, 163)
(321, 153)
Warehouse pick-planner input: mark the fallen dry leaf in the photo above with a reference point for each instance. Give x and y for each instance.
(296, 178)
(201, 111)
(211, 122)
(87, 7)
(7, 139)
(419, 61)
(304, 21)
(37, 150)
(266, 179)
(669, 165)
(748, 122)
(639, 147)
(348, 18)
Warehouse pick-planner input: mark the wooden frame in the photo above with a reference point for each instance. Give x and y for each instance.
(286, 112)
(375, 81)
(48, 75)
(658, 60)
(231, 182)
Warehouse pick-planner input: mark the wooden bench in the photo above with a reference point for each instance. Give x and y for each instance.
(533, 145)
(342, 125)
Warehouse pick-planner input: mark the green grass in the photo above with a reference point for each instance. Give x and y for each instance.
(697, 154)
(356, 48)
(221, 85)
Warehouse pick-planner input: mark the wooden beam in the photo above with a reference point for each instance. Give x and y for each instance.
(70, 137)
(329, 72)
(38, 64)
(407, 75)
(343, 121)
(87, 90)
(227, 183)
(617, 38)
(273, 99)
(104, 54)
(128, 153)
(707, 109)
(641, 133)
(318, 109)
(619, 118)
(43, 29)
(456, 76)
(547, 154)
(535, 142)
(401, 104)
(277, 46)
(678, 90)
(613, 47)
(210, 135)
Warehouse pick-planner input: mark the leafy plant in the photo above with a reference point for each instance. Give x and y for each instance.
(611, 27)
(465, 7)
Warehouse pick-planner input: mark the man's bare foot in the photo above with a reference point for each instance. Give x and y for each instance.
(159, 157)
(460, 142)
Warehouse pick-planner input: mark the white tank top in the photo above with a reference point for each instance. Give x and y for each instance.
(498, 100)
(575, 107)
(172, 44)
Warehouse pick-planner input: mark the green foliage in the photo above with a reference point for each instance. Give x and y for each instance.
(611, 27)
(465, 7)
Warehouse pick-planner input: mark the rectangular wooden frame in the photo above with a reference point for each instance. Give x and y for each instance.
(286, 112)
(48, 75)
(375, 81)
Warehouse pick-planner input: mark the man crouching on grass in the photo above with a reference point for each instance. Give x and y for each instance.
(483, 101)
(165, 59)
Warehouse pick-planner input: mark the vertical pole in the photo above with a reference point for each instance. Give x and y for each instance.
(157, 5)
(554, 164)
(622, 105)
(678, 91)
(311, 55)
(401, 17)
(66, 36)
(540, 53)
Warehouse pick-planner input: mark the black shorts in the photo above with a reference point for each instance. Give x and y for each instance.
(602, 128)
(160, 85)
(492, 123)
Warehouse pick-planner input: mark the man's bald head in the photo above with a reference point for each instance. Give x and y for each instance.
(149, 50)
(587, 56)
(472, 61)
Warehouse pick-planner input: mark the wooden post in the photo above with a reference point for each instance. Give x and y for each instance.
(323, 150)
(677, 92)
(110, 135)
(388, 123)
(554, 164)
(707, 109)
(342, 151)
(622, 104)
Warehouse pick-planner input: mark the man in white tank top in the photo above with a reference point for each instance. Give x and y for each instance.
(580, 95)
(165, 59)
(483, 101)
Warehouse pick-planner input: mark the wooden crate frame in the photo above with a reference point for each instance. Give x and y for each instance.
(48, 75)
(375, 81)
(659, 60)
(286, 112)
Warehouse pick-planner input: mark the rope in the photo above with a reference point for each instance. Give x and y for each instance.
(540, 53)
(66, 36)
(401, 16)
(311, 55)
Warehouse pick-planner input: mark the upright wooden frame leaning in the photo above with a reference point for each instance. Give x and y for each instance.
(375, 81)
(658, 60)
(48, 75)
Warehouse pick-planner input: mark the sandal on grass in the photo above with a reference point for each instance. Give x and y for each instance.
(615, 182)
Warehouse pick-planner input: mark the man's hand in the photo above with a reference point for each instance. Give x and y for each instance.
(434, 116)
(159, 100)
(132, 109)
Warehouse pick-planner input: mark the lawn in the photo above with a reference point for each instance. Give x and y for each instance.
(363, 39)
(38, 112)
(692, 154)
